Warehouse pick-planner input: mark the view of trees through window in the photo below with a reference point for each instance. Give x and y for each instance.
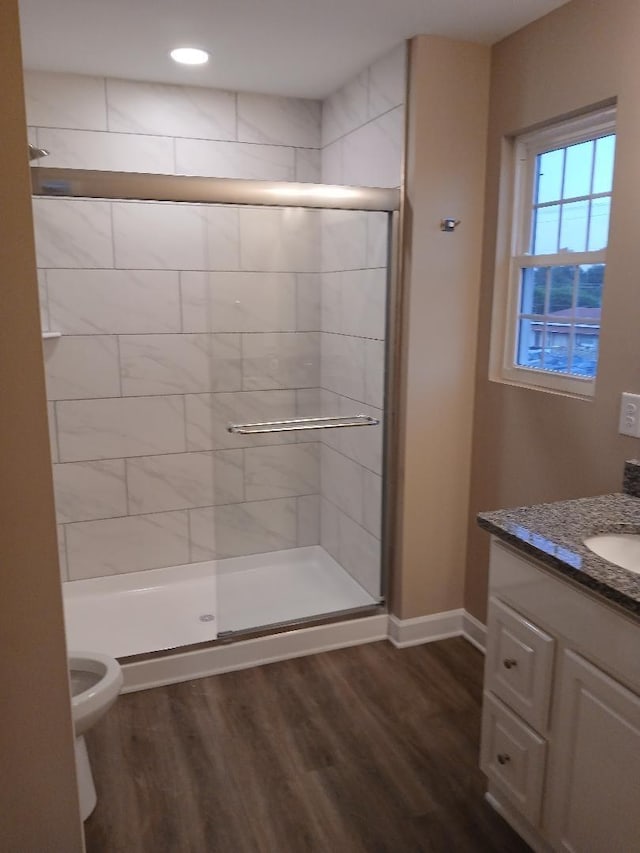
(560, 302)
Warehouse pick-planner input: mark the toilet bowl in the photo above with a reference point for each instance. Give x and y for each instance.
(96, 680)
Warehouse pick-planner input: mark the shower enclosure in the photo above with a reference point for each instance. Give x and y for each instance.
(216, 356)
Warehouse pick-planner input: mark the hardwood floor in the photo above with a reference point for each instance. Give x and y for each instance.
(370, 749)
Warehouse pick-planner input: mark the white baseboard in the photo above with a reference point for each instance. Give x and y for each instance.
(184, 666)
(403, 633)
(474, 631)
(425, 629)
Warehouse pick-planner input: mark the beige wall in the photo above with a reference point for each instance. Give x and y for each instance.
(531, 446)
(448, 102)
(38, 807)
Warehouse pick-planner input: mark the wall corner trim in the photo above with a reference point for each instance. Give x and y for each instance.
(425, 629)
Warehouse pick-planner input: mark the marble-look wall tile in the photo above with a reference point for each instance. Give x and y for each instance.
(308, 165)
(387, 81)
(345, 109)
(149, 235)
(374, 361)
(308, 520)
(89, 490)
(372, 154)
(359, 554)
(82, 367)
(278, 120)
(281, 360)
(343, 365)
(53, 432)
(87, 302)
(341, 481)
(65, 100)
(179, 364)
(281, 471)
(344, 240)
(354, 303)
(238, 302)
(362, 444)
(43, 297)
(202, 533)
(308, 299)
(114, 152)
(130, 544)
(184, 480)
(62, 553)
(119, 427)
(209, 415)
(72, 233)
(168, 110)
(372, 506)
(280, 240)
(331, 163)
(330, 528)
(377, 240)
(357, 551)
(235, 160)
(239, 529)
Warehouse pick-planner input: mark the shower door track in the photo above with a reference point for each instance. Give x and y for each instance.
(133, 186)
(53, 182)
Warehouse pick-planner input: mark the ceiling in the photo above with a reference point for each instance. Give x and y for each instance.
(304, 48)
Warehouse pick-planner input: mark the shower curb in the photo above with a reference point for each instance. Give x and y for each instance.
(200, 663)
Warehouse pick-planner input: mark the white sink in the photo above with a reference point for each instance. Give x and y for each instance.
(622, 549)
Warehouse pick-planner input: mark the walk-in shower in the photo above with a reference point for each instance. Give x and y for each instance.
(217, 402)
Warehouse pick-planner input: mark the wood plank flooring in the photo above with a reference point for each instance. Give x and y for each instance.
(370, 749)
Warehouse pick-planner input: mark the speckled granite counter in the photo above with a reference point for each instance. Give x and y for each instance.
(553, 534)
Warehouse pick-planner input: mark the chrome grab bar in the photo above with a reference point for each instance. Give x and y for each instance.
(302, 423)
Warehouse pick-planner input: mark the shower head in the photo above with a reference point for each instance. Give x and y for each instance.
(36, 153)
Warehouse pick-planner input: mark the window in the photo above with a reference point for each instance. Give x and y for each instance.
(550, 296)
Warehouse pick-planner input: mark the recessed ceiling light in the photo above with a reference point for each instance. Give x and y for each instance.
(189, 55)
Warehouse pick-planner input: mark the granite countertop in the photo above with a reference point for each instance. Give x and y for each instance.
(553, 534)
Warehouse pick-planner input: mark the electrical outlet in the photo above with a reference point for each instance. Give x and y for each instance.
(630, 415)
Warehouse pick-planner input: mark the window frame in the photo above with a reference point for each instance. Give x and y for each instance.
(515, 211)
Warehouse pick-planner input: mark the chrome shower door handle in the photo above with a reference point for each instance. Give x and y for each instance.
(295, 424)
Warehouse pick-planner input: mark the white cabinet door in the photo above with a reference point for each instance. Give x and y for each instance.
(593, 788)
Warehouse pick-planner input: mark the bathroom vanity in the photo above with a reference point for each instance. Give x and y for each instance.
(561, 710)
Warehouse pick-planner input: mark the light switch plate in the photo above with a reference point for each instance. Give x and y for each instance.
(630, 415)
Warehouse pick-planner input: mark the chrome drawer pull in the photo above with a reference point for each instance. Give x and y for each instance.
(503, 758)
(509, 663)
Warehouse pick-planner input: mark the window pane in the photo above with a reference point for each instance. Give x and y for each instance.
(585, 351)
(577, 170)
(533, 290)
(530, 345)
(561, 290)
(590, 290)
(549, 170)
(603, 172)
(545, 230)
(557, 347)
(573, 231)
(599, 224)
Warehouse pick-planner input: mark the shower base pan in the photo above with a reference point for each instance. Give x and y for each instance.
(159, 609)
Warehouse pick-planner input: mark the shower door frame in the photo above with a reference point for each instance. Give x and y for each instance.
(49, 182)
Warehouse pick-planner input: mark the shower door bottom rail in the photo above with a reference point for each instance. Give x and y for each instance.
(295, 424)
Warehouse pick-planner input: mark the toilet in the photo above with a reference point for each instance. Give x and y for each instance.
(96, 680)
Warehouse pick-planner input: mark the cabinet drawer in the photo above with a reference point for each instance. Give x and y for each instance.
(519, 664)
(513, 757)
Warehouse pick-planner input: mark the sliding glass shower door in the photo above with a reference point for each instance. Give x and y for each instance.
(216, 381)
